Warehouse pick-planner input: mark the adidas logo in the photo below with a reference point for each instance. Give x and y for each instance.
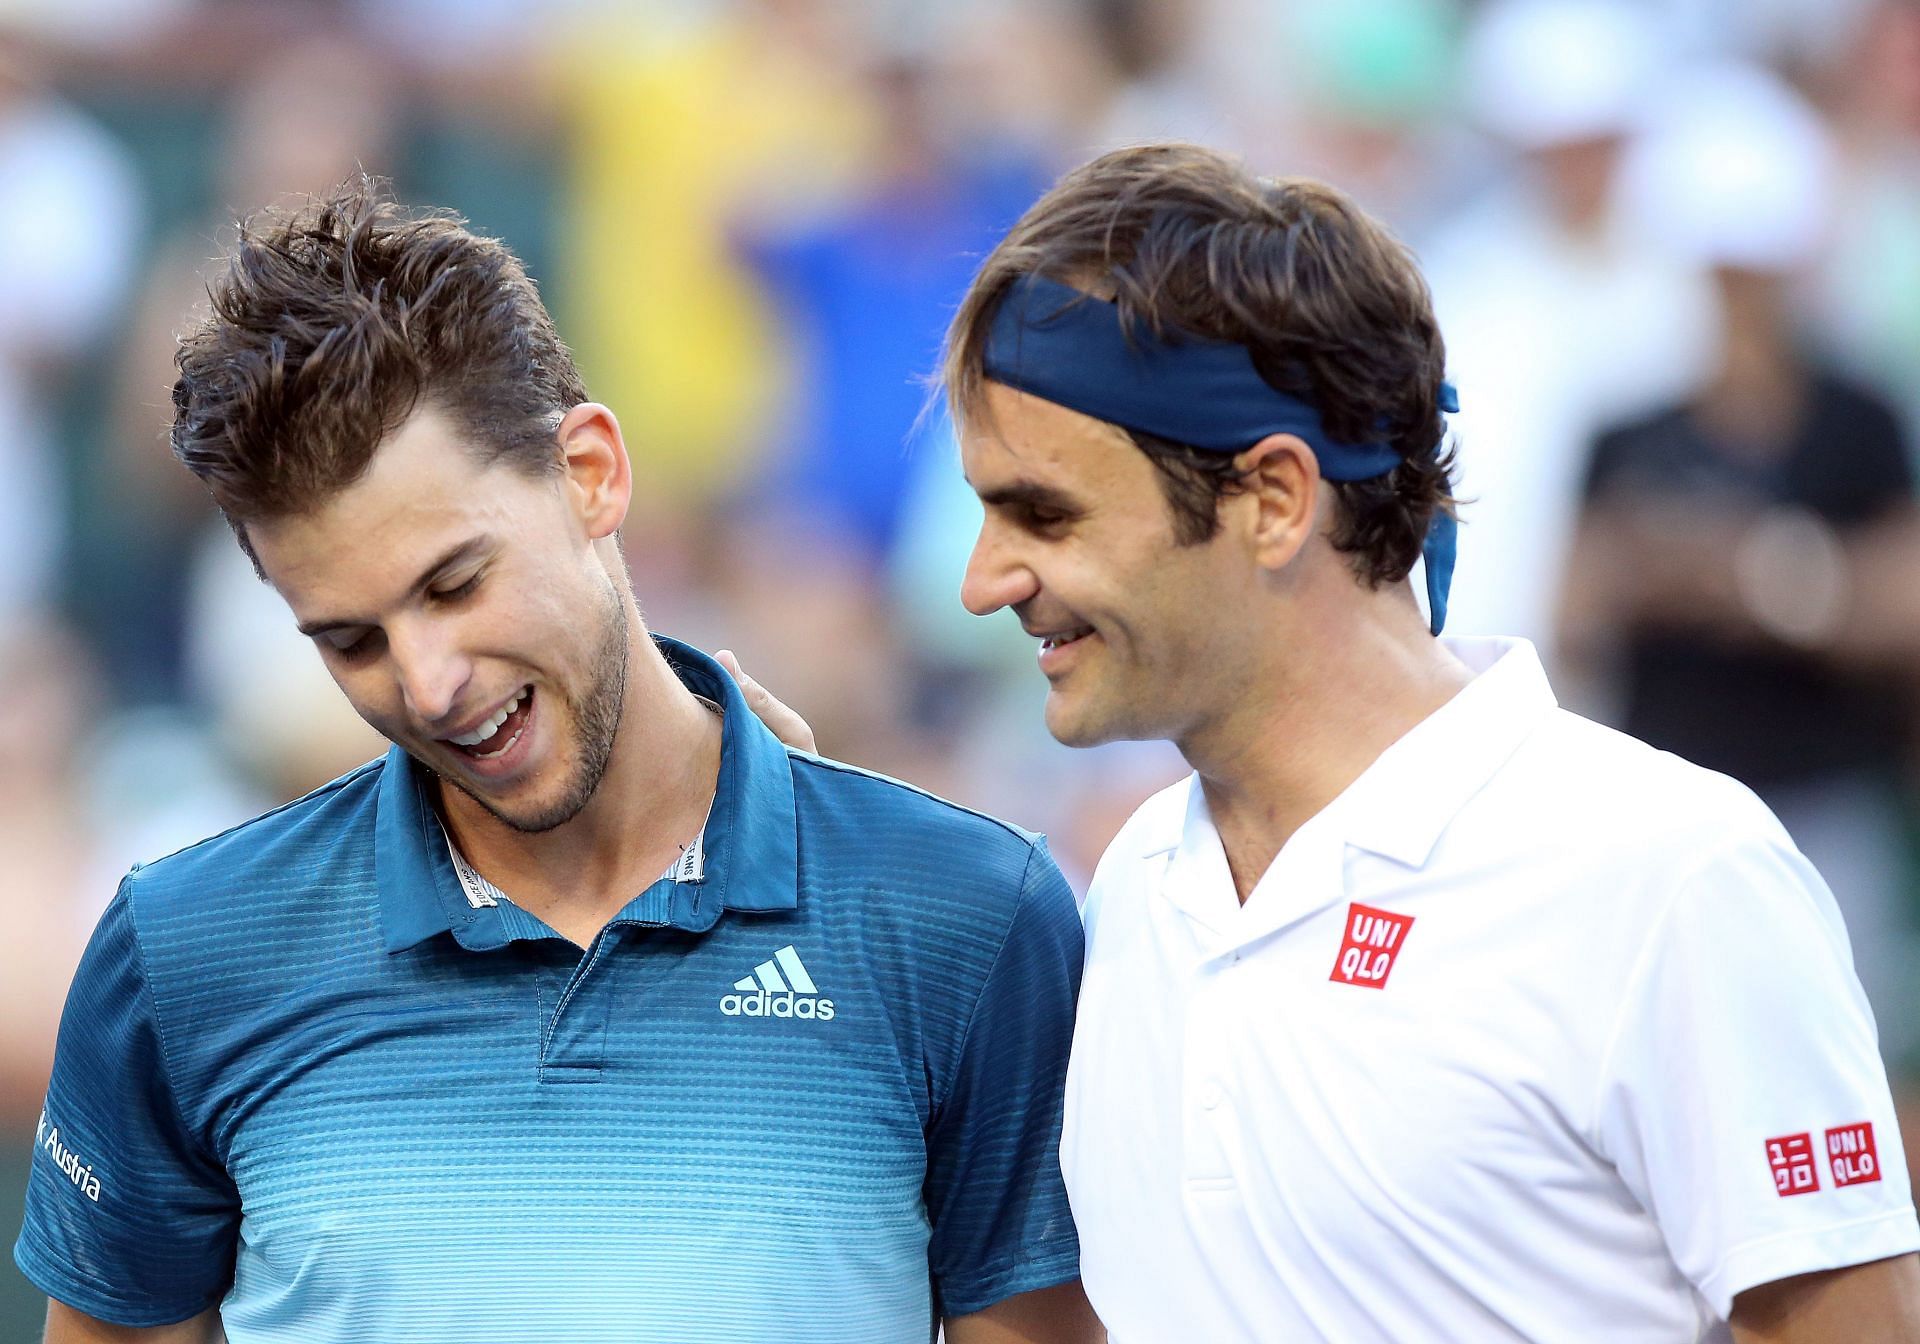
(778, 987)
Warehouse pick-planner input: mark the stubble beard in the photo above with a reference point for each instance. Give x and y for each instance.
(596, 716)
(1121, 706)
(1092, 718)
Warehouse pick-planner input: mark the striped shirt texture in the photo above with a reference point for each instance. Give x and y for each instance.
(811, 1094)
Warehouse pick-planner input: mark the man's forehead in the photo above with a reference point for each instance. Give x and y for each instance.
(1014, 434)
(423, 499)
(323, 581)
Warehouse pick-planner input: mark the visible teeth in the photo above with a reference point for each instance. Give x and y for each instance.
(491, 726)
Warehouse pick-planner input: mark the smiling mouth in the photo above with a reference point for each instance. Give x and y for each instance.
(497, 735)
(1064, 638)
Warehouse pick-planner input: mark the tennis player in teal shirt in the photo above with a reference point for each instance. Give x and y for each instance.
(591, 1012)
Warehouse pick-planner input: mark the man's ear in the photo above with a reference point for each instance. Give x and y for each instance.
(1281, 497)
(599, 478)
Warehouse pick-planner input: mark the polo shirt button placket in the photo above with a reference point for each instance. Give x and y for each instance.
(1205, 1156)
(574, 1016)
(1212, 1090)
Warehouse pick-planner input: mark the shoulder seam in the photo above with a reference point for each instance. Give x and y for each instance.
(330, 787)
(159, 1025)
(1019, 833)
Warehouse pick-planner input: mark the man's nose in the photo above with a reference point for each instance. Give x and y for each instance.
(432, 672)
(995, 577)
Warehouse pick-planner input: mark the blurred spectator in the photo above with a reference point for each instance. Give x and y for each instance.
(1560, 311)
(78, 805)
(1157, 77)
(686, 128)
(1727, 538)
(1357, 94)
(45, 836)
(45, 845)
(69, 223)
(256, 681)
(1868, 290)
(866, 290)
(1770, 32)
(300, 118)
(95, 23)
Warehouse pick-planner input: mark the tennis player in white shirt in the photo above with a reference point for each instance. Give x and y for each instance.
(1423, 1009)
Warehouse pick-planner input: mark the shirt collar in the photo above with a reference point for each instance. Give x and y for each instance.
(1402, 803)
(751, 850)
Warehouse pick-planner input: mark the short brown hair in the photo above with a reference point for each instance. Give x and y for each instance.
(1332, 308)
(332, 322)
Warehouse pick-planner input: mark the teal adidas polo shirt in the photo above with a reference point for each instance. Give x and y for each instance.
(812, 1094)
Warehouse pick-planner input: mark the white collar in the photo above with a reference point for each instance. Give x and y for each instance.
(1401, 803)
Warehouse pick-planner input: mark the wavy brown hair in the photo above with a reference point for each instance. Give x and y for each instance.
(332, 323)
(1333, 309)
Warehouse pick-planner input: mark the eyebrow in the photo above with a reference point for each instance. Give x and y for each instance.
(452, 556)
(1032, 495)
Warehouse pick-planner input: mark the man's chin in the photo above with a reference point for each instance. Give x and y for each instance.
(530, 816)
(1075, 725)
(1082, 718)
(536, 823)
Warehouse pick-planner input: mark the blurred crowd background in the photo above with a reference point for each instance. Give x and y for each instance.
(1674, 245)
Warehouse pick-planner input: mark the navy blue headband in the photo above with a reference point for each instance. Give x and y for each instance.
(1068, 347)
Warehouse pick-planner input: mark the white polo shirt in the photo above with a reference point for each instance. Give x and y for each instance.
(1534, 1033)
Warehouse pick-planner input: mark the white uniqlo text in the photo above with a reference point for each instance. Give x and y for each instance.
(1852, 1155)
(1373, 939)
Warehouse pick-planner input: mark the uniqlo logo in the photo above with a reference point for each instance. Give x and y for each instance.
(1373, 939)
(1851, 1154)
(1791, 1158)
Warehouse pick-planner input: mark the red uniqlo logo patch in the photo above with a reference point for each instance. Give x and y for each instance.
(1851, 1154)
(1374, 938)
(1792, 1161)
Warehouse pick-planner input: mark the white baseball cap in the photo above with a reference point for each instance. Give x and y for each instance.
(1736, 169)
(1546, 72)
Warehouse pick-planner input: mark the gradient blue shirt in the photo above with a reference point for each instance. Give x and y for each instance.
(813, 1095)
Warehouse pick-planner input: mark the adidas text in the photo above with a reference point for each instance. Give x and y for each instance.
(780, 986)
(760, 1003)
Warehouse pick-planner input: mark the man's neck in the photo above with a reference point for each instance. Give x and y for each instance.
(1324, 709)
(651, 802)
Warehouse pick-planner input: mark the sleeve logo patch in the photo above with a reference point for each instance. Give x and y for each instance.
(74, 1167)
(1851, 1154)
(1373, 939)
(1791, 1158)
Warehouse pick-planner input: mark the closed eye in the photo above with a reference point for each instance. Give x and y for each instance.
(459, 591)
(1033, 507)
(1042, 521)
(353, 646)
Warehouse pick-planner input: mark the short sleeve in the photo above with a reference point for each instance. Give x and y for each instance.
(127, 1218)
(994, 1192)
(1743, 1100)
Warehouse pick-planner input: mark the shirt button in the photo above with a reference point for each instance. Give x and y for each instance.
(1211, 1096)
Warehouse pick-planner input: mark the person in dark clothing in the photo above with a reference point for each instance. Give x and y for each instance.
(1727, 625)
(1732, 570)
